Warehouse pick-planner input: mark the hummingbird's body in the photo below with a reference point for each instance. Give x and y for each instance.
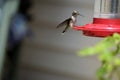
(70, 22)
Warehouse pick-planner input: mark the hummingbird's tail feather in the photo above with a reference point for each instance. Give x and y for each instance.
(63, 32)
(66, 28)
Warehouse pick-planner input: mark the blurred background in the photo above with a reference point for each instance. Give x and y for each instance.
(48, 55)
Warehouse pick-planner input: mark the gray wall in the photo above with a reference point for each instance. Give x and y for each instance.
(52, 56)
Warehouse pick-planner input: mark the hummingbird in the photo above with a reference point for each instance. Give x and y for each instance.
(70, 22)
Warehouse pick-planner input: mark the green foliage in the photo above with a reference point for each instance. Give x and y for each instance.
(108, 53)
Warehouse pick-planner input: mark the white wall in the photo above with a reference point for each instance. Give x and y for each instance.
(51, 56)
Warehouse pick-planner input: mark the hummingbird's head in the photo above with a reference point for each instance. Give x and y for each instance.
(76, 13)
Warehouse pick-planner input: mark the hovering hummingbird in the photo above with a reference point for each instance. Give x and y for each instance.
(69, 22)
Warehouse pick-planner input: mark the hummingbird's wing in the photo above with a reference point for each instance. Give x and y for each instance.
(64, 23)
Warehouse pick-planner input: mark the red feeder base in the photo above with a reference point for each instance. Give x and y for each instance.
(100, 27)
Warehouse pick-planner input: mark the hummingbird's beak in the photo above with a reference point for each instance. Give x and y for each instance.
(81, 15)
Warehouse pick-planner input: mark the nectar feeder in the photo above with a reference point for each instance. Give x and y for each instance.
(106, 19)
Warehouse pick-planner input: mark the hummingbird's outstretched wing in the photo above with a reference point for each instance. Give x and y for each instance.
(64, 23)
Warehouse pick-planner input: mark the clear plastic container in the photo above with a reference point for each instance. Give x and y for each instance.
(107, 9)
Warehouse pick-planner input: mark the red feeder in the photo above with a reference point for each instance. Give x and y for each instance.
(106, 19)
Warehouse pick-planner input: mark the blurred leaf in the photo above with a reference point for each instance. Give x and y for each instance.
(117, 61)
(107, 51)
(116, 36)
(87, 52)
(106, 57)
(118, 48)
(101, 72)
(109, 67)
(105, 44)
